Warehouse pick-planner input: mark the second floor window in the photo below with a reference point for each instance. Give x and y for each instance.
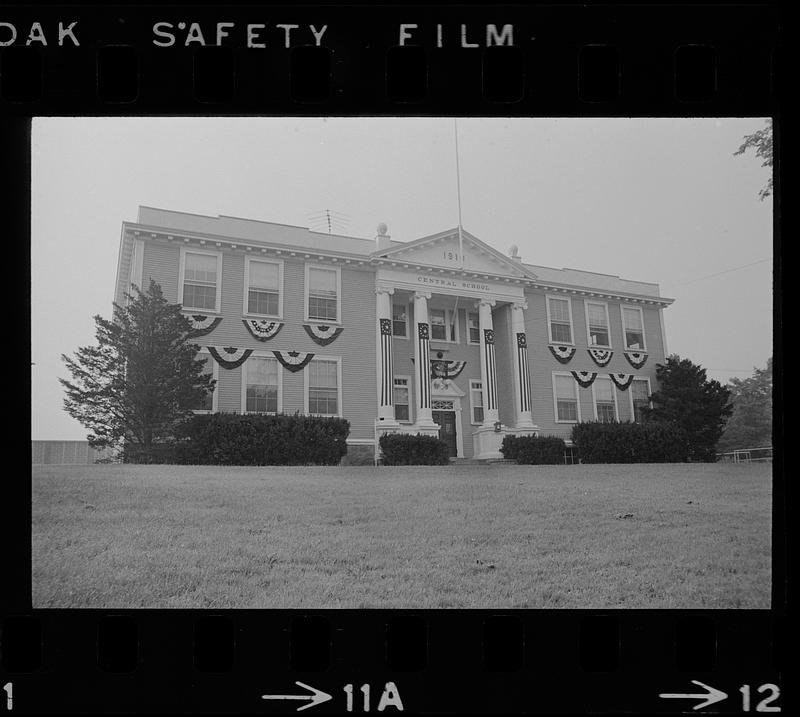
(399, 320)
(323, 299)
(443, 327)
(560, 318)
(200, 281)
(263, 288)
(261, 392)
(597, 320)
(633, 327)
(473, 328)
(605, 404)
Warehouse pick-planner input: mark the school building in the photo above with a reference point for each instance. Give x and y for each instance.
(442, 335)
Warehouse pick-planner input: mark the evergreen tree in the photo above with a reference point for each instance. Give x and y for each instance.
(698, 405)
(141, 379)
(750, 425)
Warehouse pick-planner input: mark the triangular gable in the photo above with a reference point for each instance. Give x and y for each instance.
(441, 250)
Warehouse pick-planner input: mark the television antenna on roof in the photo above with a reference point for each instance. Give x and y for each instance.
(329, 220)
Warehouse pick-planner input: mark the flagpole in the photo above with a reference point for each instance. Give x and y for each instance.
(458, 189)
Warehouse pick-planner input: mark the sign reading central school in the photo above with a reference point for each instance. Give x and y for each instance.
(448, 284)
(452, 283)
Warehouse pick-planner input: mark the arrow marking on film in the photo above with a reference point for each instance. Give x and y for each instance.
(317, 698)
(709, 698)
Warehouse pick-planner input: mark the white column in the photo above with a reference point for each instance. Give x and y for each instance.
(522, 381)
(488, 371)
(422, 363)
(385, 360)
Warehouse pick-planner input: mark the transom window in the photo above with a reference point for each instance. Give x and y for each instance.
(566, 397)
(633, 327)
(264, 287)
(473, 327)
(261, 385)
(640, 398)
(476, 400)
(323, 387)
(399, 320)
(597, 323)
(559, 313)
(401, 399)
(605, 403)
(201, 281)
(443, 327)
(206, 405)
(323, 294)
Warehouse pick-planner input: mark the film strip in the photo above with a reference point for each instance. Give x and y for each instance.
(316, 60)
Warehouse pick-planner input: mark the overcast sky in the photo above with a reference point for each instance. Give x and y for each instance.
(659, 200)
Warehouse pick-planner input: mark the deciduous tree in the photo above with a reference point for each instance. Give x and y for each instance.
(761, 143)
(750, 424)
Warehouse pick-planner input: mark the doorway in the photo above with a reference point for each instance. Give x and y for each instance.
(447, 429)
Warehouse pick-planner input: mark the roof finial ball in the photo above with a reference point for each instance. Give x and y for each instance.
(382, 229)
(513, 251)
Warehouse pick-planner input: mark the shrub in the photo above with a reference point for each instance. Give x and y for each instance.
(261, 440)
(534, 450)
(652, 442)
(405, 449)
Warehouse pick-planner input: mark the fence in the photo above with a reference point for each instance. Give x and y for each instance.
(78, 453)
(747, 455)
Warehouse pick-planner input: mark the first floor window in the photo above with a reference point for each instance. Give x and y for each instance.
(633, 327)
(263, 291)
(261, 393)
(323, 387)
(566, 399)
(206, 404)
(604, 402)
(476, 400)
(200, 272)
(598, 325)
(401, 399)
(640, 397)
(474, 328)
(399, 320)
(322, 294)
(560, 320)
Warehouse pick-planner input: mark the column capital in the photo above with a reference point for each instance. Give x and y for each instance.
(485, 302)
(384, 289)
(422, 295)
(520, 305)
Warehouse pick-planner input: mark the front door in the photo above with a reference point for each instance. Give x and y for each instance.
(447, 429)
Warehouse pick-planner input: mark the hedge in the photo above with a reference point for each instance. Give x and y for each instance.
(652, 442)
(234, 439)
(534, 450)
(406, 449)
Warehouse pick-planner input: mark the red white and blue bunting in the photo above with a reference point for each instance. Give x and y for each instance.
(600, 356)
(636, 358)
(322, 333)
(202, 324)
(623, 380)
(563, 354)
(584, 378)
(293, 360)
(446, 369)
(262, 329)
(228, 356)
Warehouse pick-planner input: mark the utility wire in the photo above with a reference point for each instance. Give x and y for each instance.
(719, 273)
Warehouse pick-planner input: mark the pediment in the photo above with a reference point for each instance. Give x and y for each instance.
(442, 250)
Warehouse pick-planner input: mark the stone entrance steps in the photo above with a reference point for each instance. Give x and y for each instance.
(476, 462)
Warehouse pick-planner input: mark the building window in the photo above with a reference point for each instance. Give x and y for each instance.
(200, 272)
(597, 323)
(605, 400)
(640, 397)
(559, 320)
(633, 327)
(476, 401)
(399, 320)
(565, 392)
(264, 280)
(208, 404)
(261, 380)
(443, 326)
(324, 387)
(473, 328)
(402, 398)
(323, 293)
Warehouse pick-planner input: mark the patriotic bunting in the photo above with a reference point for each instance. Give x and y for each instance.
(262, 329)
(322, 333)
(623, 380)
(202, 324)
(446, 369)
(228, 356)
(563, 354)
(636, 358)
(600, 356)
(293, 360)
(584, 378)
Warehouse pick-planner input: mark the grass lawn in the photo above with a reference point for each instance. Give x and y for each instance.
(636, 536)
